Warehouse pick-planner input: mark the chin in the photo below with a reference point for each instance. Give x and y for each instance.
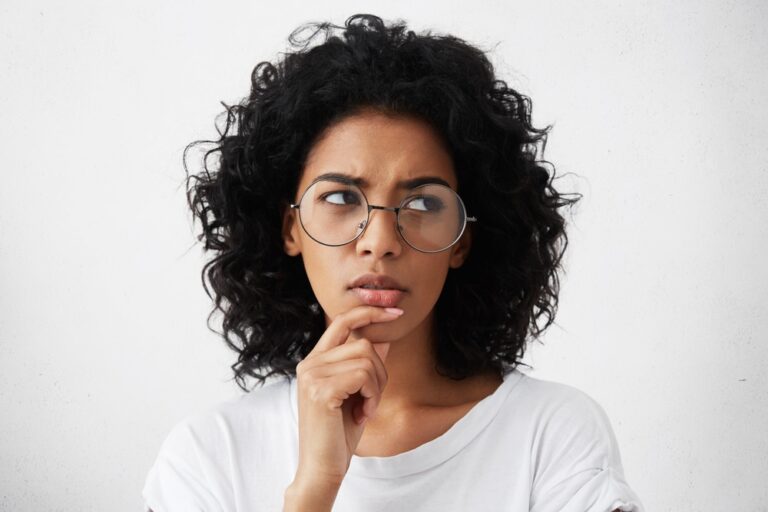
(381, 332)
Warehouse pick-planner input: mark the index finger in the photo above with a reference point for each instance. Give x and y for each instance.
(343, 325)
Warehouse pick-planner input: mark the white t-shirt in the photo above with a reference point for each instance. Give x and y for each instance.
(532, 445)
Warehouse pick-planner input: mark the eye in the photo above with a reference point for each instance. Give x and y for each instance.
(340, 197)
(425, 204)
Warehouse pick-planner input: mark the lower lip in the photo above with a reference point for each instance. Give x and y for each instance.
(385, 298)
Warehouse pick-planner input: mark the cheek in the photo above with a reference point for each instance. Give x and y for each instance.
(427, 277)
(432, 273)
(325, 275)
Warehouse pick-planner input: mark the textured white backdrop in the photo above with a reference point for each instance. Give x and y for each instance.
(659, 109)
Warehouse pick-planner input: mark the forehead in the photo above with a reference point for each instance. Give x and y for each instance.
(380, 152)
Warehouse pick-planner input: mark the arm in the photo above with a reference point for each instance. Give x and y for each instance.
(310, 496)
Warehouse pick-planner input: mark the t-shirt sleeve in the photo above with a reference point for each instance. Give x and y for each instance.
(577, 461)
(183, 478)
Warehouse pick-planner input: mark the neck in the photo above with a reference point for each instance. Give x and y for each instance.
(414, 384)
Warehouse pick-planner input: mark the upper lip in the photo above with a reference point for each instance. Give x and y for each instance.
(378, 280)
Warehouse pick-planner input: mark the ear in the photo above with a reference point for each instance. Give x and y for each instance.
(460, 251)
(290, 231)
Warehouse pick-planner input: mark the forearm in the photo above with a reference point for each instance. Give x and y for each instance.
(310, 496)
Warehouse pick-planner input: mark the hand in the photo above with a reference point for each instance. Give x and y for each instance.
(339, 386)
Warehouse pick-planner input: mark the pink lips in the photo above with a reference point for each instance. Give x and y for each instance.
(386, 298)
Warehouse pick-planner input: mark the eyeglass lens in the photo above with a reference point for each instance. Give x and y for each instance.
(431, 217)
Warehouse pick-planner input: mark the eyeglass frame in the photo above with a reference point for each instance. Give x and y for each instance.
(396, 209)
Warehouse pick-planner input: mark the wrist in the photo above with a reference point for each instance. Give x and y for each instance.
(310, 495)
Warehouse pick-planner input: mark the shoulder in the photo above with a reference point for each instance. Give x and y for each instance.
(549, 393)
(265, 411)
(264, 406)
(553, 410)
(195, 466)
(566, 421)
(575, 456)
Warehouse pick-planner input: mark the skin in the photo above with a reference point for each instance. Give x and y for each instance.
(417, 404)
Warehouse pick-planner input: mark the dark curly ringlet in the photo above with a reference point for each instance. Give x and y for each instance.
(488, 306)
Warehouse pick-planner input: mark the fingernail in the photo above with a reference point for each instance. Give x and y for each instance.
(394, 311)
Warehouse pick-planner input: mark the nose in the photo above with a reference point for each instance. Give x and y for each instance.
(380, 236)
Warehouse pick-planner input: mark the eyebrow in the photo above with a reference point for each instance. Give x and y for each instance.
(362, 182)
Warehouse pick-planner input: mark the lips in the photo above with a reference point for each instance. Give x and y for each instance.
(383, 291)
(382, 298)
(377, 281)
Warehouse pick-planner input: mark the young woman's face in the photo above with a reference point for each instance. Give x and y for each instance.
(383, 152)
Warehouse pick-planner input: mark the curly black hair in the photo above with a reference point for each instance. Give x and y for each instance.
(490, 305)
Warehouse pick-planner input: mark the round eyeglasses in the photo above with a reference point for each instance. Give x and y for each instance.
(431, 218)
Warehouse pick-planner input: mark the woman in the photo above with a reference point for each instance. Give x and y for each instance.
(385, 241)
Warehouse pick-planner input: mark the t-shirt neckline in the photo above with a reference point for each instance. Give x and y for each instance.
(436, 451)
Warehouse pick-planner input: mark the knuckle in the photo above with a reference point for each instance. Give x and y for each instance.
(366, 344)
(314, 392)
(343, 317)
(307, 374)
(368, 365)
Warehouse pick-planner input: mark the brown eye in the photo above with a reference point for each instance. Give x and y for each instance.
(425, 204)
(340, 197)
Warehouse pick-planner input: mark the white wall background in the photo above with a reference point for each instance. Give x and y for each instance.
(659, 108)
